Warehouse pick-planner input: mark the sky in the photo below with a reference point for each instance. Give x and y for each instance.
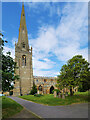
(57, 31)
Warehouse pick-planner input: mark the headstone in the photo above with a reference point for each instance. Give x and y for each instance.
(42, 92)
(59, 95)
(45, 92)
(55, 94)
(63, 91)
(66, 94)
(38, 92)
(63, 96)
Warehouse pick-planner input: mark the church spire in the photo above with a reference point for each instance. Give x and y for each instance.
(23, 37)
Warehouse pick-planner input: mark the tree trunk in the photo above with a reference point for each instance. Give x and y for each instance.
(71, 92)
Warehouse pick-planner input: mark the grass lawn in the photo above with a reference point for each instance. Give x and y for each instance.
(9, 107)
(79, 97)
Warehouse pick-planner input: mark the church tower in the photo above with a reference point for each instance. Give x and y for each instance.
(23, 57)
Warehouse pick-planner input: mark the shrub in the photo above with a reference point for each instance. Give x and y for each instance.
(34, 90)
(57, 90)
(38, 95)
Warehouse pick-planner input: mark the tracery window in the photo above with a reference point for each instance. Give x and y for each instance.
(24, 60)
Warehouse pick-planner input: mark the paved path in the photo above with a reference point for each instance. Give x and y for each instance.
(69, 111)
(25, 114)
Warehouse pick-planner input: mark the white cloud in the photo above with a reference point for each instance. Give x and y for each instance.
(12, 50)
(69, 38)
(48, 73)
(65, 41)
(43, 64)
(14, 39)
(36, 6)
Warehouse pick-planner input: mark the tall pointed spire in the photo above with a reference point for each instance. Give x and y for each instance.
(23, 37)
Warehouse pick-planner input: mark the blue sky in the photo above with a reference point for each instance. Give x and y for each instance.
(56, 31)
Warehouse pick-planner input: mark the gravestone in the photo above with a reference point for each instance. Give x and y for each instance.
(42, 92)
(63, 96)
(55, 94)
(59, 95)
(38, 92)
(66, 94)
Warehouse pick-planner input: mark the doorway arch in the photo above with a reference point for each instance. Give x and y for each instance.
(51, 89)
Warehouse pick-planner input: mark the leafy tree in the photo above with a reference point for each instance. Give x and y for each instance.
(85, 85)
(34, 89)
(74, 73)
(8, 68)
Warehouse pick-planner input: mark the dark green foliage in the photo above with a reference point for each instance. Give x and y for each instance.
(11, 93)
(74, 73)
(8, 68)
(38, 95)
(57, 90)
(85, 85)
(34, 89)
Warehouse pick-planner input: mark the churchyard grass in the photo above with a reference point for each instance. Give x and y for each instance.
(79, 97)
(9, 107)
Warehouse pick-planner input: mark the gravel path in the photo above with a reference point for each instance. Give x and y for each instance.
(69, 111)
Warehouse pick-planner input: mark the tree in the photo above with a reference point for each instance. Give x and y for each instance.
(74, 73)
(34, 89)
(85, 85)
(8, 68)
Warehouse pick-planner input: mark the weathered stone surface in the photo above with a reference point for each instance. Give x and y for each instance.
(63, 96)
(38, 92)
(59, 95)
(55, 94)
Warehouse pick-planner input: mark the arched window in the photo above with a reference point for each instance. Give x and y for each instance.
(24, 60)
(44, 80)
(40, 88)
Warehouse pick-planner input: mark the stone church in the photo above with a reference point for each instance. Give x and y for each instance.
(23, 57)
